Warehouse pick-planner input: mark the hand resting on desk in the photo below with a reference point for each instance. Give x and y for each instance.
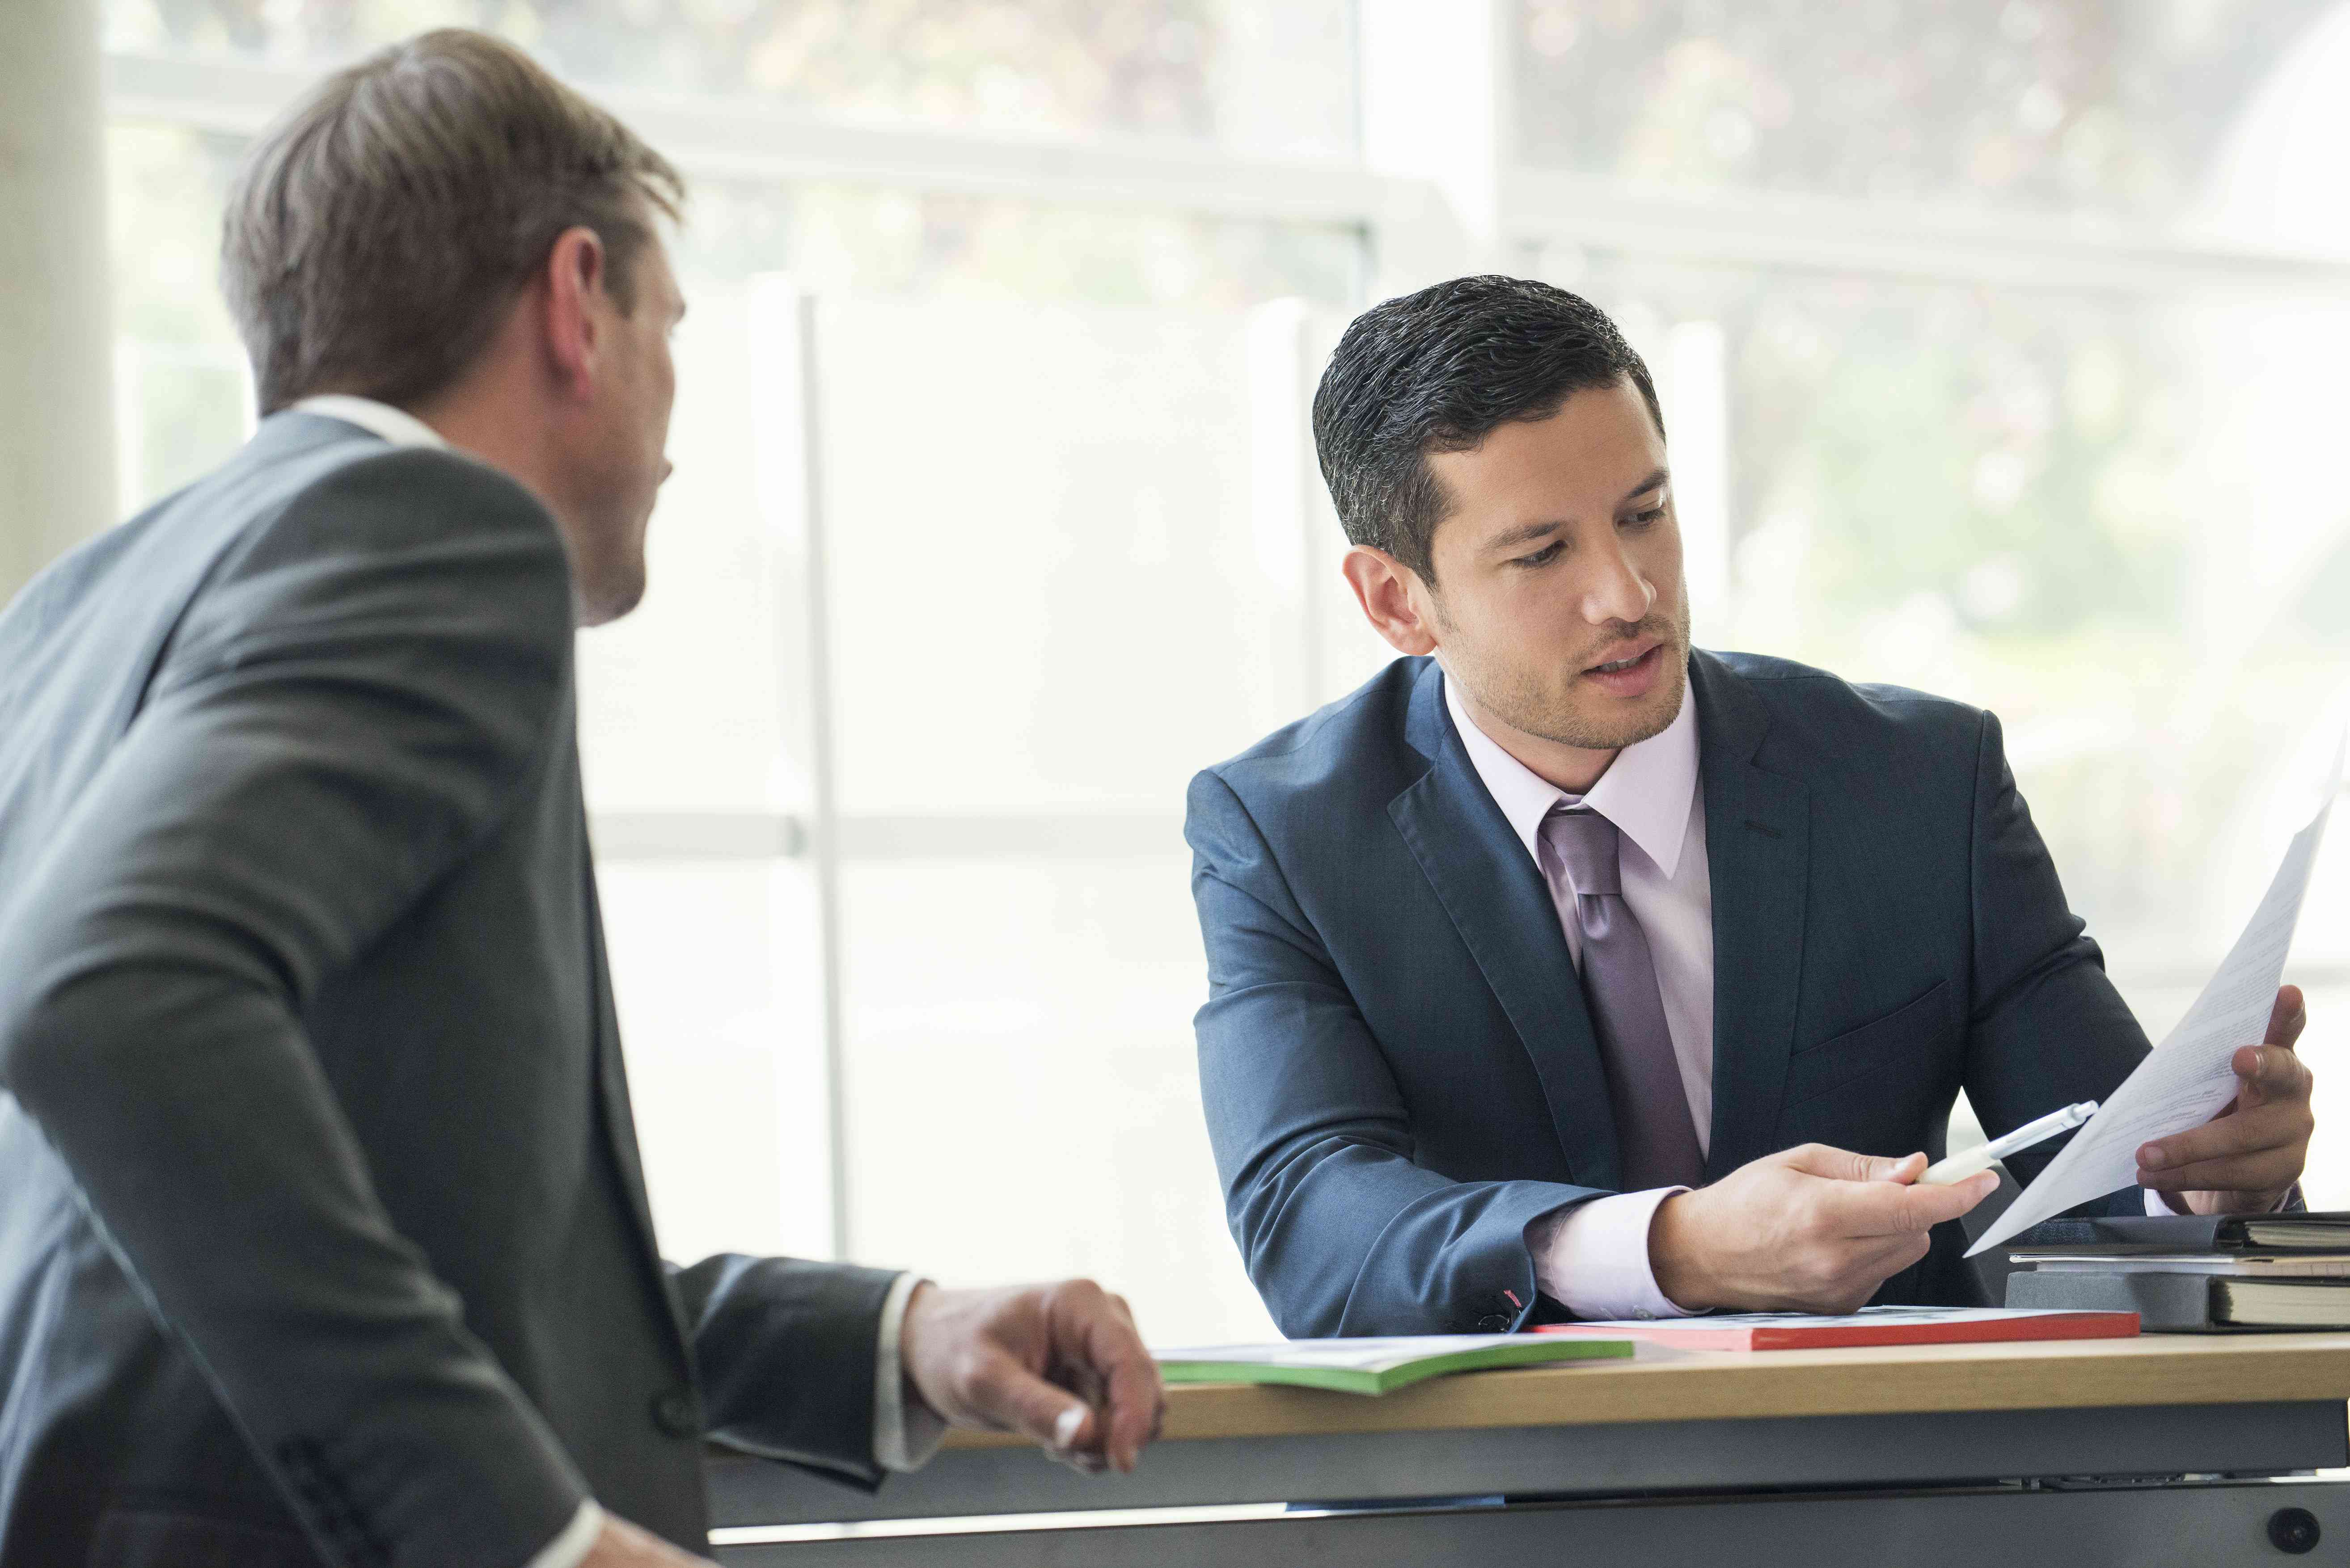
(1061, 1364)
(1812, 1229)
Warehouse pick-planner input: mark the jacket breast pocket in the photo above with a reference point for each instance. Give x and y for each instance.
(1910, 1032)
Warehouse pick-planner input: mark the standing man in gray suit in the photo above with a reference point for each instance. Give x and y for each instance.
(322, 1234)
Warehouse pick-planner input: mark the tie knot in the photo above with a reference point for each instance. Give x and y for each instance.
(1585, 842)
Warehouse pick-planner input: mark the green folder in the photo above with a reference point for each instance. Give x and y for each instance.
(1377, 1366)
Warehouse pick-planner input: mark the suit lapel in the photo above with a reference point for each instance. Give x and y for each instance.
(1758, 844)
(1498, 903)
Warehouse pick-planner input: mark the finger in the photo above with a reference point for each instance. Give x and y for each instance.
(2271, 1072)
(2250, 1130)
(1095, 1332)
(1009, 1396)
(2288, 1017)
(1843, 1165)
(2270, 1170)
(1883, 1208)
(1137, 1399)
(1906, 1170)
(2255, 1150)
(2250, 1153)
(1884, 1258)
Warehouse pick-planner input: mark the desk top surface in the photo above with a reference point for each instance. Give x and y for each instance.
(1672, 1385)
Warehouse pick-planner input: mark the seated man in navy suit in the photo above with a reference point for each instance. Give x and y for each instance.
(1566, 971)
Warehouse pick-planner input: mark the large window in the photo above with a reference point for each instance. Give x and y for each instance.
(1997, 344)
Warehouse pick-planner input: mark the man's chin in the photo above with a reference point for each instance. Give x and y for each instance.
(1597, 723)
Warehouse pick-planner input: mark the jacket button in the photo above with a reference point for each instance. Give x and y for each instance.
(1496, 1323)
(677, 1413)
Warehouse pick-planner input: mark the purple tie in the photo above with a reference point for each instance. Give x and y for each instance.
(1619, 982)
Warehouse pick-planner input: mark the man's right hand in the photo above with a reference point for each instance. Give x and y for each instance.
(1812, 1229)
(623, 1545)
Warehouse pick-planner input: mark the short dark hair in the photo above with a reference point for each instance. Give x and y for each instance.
(378, 232)
(1439, 370)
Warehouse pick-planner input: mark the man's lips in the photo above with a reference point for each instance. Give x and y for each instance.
(1623, 661)
(1632, 674)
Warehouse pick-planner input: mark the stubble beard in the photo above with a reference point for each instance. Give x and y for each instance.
(1532, 709)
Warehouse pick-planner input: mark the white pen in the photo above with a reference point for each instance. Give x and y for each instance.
(1958, 1166)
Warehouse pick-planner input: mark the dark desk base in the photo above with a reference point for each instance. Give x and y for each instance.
(2138, 1486)
(1842, 1451)
(2196, 1524)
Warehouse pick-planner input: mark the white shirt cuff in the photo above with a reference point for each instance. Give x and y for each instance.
(906, 1432)
(1593, 1260)
(571, 1545)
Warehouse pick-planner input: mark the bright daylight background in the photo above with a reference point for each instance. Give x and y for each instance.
(2001, 346)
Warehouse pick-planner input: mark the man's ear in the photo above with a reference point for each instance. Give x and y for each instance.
(1383, 585)
(575, 277)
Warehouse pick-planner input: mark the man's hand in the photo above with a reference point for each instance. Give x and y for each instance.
(1062, 1364)
(622, 1545)
(2245, 1158)
(1808, 1229)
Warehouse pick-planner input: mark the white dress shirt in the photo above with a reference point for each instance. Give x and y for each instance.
(906, 1432)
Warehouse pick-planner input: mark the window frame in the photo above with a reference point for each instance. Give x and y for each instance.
(1430, 197)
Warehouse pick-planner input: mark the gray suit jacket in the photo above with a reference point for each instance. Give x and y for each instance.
(322, 1233)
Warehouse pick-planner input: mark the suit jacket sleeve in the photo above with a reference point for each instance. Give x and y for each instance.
(2046, 1027)
(787, 1351)
(1342, 1232)
(347, 709)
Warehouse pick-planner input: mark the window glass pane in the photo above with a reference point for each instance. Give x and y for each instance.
(715, 973)
(1270, 76)
(2158, 110)
(1070, 595)
(1023, 1091)
(1070, 515)
(1078, 557)
(945, 430)
(2113, 522)
(181, 392)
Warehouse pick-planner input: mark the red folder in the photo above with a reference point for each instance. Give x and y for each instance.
(1874, 1326)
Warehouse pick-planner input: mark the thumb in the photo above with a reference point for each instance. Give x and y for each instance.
(1844, 1165)
(2287, 1018)
(1015, 1397)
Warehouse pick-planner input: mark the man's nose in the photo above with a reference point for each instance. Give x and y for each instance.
(668, 468)
(1616, 591)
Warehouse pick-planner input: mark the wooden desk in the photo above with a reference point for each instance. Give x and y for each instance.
(2116, 1450)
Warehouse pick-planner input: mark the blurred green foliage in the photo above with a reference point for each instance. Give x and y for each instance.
(1171, 68)
(2072, 106)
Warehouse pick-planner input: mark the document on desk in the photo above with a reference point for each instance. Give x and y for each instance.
(2184, 1081)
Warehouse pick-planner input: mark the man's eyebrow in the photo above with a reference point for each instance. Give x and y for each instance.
(1523, 534)
(1527, 532)
(1653, 481)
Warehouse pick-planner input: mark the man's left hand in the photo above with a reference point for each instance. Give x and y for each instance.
(1062, 1364)
(2243, 1160)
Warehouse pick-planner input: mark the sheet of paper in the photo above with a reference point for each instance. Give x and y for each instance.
(2186, 1080)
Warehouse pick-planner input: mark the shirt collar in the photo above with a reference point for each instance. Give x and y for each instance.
(396, 426)
(1645, 791)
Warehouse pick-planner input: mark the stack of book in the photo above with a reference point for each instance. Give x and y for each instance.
(2191, 1273)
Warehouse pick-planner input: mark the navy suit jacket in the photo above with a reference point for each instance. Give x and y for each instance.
(1398, 1069)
